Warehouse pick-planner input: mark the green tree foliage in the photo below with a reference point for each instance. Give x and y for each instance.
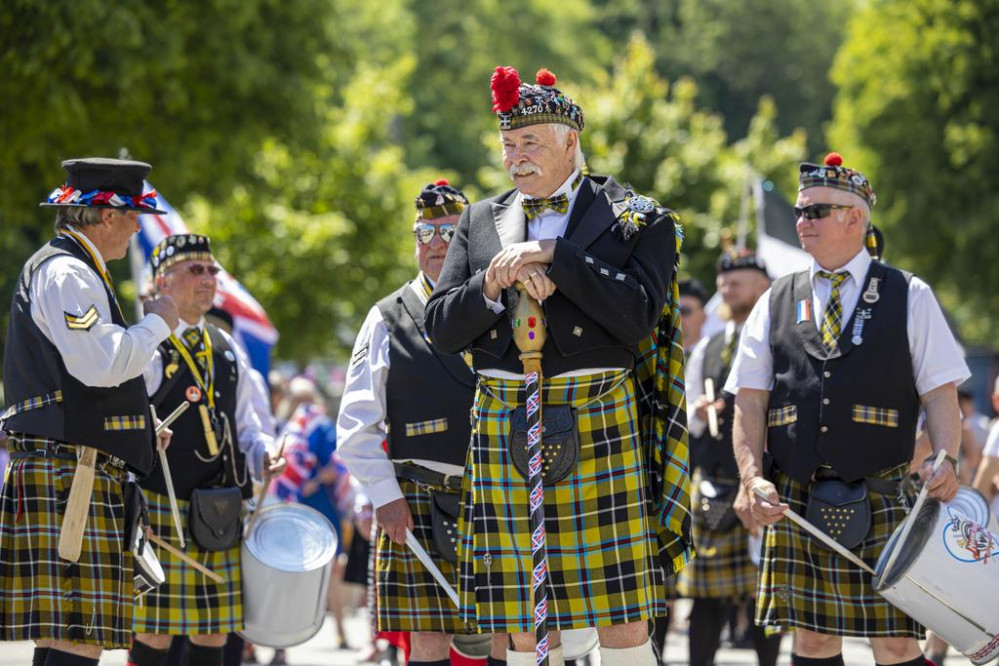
(739, 52)
(919, 89)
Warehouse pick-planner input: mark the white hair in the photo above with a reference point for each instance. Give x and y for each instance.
(78, 217)
(561, 133)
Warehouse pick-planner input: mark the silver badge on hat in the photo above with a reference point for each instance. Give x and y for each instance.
(181, 241)
(229, 355)
(872, 295)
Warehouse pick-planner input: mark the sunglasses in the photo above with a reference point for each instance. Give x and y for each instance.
(199, 269)
(817, 211)
(425, 232)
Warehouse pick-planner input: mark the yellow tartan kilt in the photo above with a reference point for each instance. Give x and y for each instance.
(189, 603)
(602, 547)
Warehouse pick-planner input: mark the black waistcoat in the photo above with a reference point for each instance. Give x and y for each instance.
(114, 419)
(187, 469)
(714, 456)
(856, 408)
(428, 394)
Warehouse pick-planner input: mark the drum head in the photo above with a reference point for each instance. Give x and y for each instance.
(577, 643)
(972, 504)
(292, 538)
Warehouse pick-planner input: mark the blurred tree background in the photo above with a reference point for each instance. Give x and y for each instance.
(298, 133)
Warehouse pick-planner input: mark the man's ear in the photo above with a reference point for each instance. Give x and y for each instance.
(107, 215)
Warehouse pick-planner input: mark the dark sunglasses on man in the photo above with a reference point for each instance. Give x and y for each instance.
(425, 232)
(817, 211)
(199, 269)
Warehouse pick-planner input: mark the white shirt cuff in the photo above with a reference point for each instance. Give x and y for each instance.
(383, 492)
(496, 306)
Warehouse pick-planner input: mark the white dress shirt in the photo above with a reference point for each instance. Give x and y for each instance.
(361, 426)
(254, 441)
(695, 379)
(106, 355)
(936, 357)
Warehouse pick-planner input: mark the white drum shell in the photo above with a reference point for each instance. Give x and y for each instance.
(938, 578)
(577, 643)
(287, 561)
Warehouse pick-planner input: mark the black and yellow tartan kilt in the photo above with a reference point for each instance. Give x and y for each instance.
(409, 599)
(804, 585)
(42, 596)
(188, 603)
(602, 547)
(722, 568)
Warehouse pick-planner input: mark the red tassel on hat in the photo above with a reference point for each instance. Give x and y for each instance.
(834, 159)
(545, 77)
(442, 182)
(505, 84)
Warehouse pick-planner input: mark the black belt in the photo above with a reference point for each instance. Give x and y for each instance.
(427, 477)
(56, 451)
(875, 484)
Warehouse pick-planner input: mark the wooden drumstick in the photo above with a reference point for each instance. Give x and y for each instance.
(184, 557)
(263, 489)
(74, 521)
(167, 477)
(206, 423)
(709, 393)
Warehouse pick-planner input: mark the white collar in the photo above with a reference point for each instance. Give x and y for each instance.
(856, 267)
(183, 326)
(77, 234)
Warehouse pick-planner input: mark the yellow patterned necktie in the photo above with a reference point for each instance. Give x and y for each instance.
(832, 320)
(192, 339)
(728, 351)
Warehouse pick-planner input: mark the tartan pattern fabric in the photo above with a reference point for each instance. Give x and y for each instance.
(426, 427)
(662, 410)
(601, 537)
(409, 599)
(535, 207)
(32, 403)
(192, 338)
(42, 596)
(804, 585)
(832, 320)
(882, 416)
(116, 423)
(780, 416)
(728, 351)
(722, 568)
(189, 603)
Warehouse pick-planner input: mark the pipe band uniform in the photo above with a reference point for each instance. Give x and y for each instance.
(403, 391)
(75, 392)
(219, 446)
(600, 258)
(833, 366)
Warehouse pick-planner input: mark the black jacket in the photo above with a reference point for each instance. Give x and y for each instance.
(610, 292)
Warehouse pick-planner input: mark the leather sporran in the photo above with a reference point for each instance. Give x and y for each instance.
(444, 521)
(215, 517)
(714, 509)
(840, 509)
(559, 442)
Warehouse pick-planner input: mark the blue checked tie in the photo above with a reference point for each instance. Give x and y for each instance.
(833, 318)
(535, 207)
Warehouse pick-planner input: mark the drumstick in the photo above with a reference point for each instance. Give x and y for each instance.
(264, 488)
(709, 393)
(423, 557)
(206, 424)
(184, 557)
(174, 509)
(911, 518)
(74, 521)
(174, 415)
(819, 534)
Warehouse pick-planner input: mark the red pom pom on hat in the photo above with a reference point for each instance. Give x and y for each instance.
(545, 77)
(833, 159)
(442, 181)
(505, 84)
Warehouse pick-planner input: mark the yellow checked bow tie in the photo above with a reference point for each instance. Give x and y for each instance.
(535, 207)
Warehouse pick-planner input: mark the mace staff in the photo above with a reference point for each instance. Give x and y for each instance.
(529, 335)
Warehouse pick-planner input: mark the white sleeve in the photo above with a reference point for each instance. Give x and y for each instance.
(261, 403)
(360, 426)
(992, 443)
(695, 386)
(253, 441)
(752, 367)
(102, 354)
(937, 359)
(153, 374)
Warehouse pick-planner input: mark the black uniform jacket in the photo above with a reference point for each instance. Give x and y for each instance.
(610, 290)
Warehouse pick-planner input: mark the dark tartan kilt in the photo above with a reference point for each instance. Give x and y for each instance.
(189, 603)
(42, 596)
(802, 584)
(722, 568)
(602, 546)
(409, 599)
